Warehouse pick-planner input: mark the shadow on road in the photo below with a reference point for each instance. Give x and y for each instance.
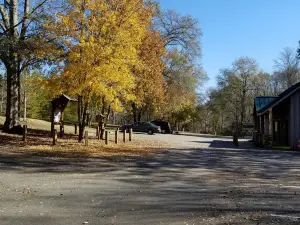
(261, 163)
(202, 135)
(196, 185)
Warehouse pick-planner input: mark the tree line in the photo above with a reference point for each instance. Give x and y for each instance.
(229, 106)
(112, 56)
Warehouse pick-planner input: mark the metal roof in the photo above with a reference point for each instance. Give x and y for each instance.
(262, 101)
(284, 95)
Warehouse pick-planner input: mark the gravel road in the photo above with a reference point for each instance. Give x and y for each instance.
(200, 180)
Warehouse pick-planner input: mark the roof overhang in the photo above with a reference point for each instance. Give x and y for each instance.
(279, 100)
(68, 98)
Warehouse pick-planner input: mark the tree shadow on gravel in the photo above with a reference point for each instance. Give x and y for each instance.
(233, 186)
(265, 164)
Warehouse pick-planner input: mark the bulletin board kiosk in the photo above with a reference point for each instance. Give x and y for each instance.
(57, 112)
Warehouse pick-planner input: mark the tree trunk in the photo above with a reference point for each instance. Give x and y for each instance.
(101, 126)
(134, 112)
(139, 116)
(81, 133)
(82, 117)
(2, 96)
(19, 94)
(242, 111)
(25, 106)
(12, 122)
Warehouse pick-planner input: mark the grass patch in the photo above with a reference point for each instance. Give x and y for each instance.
(282, 147)
(46, 126)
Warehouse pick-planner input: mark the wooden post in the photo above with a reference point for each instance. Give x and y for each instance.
(24, 132)
(52, 119)
(130, 134)
(235, 138)
(98, 132)
(61, 129)
(106, 137)
(116, 136)
(124, 135)
(75, 128)
(86, 138)
(54, 136)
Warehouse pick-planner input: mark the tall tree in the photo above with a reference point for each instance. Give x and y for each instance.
(22, 43)
(181, 32)
(240, 80)
(183, 74)
(149, 81)
(101, 39)
(183, 78)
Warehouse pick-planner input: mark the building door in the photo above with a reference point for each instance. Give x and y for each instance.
(284, 132)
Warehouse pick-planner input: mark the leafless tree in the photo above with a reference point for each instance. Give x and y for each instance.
(287, 68)
(181, 32)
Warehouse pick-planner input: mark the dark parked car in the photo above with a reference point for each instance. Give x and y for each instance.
(147, 127)
(164, 126)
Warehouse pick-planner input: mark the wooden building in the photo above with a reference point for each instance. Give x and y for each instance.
(277, 119)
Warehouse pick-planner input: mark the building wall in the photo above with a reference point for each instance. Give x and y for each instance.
(294, 128)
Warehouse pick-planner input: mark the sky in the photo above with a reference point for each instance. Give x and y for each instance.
(260, 29)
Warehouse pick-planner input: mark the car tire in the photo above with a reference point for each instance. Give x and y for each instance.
(163, 131)
(150, 132)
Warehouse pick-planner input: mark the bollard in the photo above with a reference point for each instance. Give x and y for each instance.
(61, 129)
(106, 137)
(130, 134)
(24, 133)
(54, 137)
(235, 139)
(98, 132)
(86, 138)
(75, 128)
(124, 135)
(102, 133)
(116, 136)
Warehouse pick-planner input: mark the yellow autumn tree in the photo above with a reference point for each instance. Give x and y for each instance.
(101, 39)
(149, 89)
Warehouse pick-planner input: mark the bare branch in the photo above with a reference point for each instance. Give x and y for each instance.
(4, 16)
(25, 19)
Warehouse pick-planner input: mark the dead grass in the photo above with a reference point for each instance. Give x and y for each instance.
(46, 126)
(39, 144)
